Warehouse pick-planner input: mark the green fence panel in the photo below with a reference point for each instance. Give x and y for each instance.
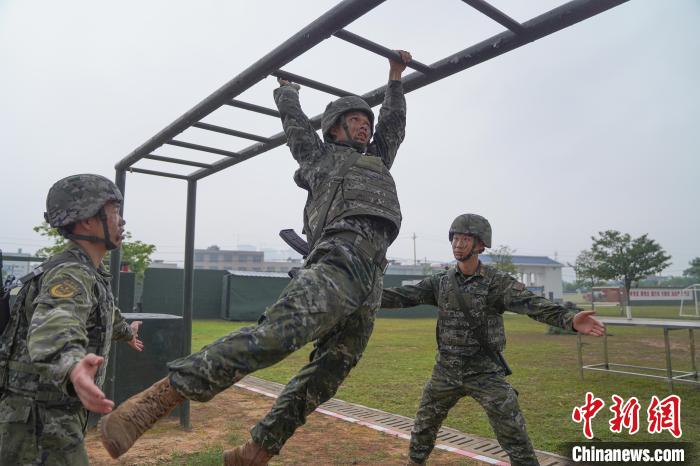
(163, 288)
(249, 296)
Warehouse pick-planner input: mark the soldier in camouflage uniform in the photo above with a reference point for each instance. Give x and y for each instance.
(471, 298)
(53, 351)
(351, 217)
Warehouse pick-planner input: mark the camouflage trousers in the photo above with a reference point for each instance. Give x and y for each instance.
(492, 392)
(332, 301)
(34, 434)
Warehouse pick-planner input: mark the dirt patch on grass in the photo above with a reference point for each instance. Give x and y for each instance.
(224, 422)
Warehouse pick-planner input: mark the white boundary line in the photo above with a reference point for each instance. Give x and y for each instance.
(395, 433)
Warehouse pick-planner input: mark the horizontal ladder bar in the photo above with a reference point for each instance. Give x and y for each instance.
(379, 50)
(213, 150)
(231, 132)
(254, 108)
(496, 15)
(157, 173)
(179, 161)
(310, 83)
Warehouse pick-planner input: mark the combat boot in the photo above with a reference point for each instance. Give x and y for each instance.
(250, 454)
(122, 427)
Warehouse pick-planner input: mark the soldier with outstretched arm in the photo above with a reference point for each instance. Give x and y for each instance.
(471, 298)
(351, 217)
(54, 349)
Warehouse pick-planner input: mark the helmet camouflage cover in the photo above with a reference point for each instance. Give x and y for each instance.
(337, 108)
(472, 224)
(78, 197)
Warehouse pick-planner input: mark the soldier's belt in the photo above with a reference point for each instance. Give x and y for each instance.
(377, 257)
(17, 370)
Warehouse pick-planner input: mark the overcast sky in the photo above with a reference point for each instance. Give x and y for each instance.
(591, 128)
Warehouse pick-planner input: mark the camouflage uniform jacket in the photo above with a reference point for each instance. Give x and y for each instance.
(487, 294)
(368, 190)
(73, 313)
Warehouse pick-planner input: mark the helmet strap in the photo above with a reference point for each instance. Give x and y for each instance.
(469, 254)
(472, 251)
(102, 215)
(105, 228)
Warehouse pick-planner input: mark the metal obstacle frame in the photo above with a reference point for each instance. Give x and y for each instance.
(330, 24)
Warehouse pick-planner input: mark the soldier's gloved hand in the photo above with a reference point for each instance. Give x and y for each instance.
(82, 376)
(284, 82)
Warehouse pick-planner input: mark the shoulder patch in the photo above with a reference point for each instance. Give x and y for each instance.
(66, 288)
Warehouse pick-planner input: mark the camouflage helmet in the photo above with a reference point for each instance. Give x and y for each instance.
(337, 108)
(78, 197)
(472, 224)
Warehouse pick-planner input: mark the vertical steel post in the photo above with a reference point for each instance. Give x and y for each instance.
(115, 269)
(579, 348)
(669, 369)
(187, 301)
(115, 257)
(605, 348)
(691, 337)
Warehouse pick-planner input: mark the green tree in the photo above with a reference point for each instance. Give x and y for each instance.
(585, 269)
(502, 257)
(135, 253)
(618, 256)
(694, 270)
(671, 282)
(59, 242)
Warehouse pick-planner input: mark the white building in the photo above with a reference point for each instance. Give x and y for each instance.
(538, 273)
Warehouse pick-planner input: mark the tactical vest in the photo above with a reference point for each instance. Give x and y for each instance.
(17, 373)
(466, 322)
(355, 185)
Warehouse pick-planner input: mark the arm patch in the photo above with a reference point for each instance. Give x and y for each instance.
(66, 288)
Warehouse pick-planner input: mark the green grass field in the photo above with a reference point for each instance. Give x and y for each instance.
(400, 356)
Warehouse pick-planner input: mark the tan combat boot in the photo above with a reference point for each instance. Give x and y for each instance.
(122, 427)
(250, 454)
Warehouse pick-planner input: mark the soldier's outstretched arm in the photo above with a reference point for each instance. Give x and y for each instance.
(424, 292)
(302, 139)
(82, 376)
(121, 330)
(514, 296)
(391, 124)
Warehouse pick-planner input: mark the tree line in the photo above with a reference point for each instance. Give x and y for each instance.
(620, 257)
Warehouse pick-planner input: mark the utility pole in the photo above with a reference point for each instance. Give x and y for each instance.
(414, 249)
